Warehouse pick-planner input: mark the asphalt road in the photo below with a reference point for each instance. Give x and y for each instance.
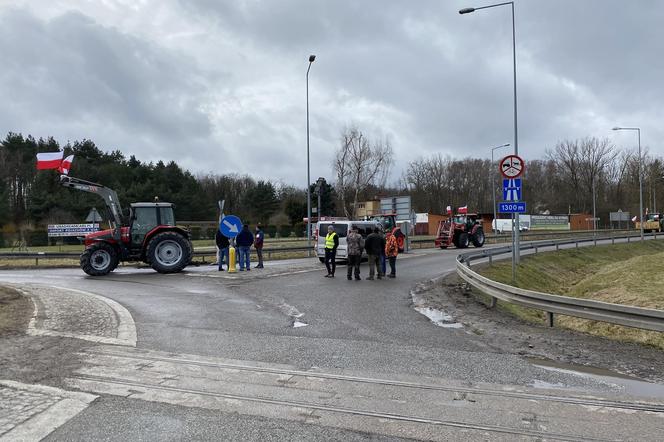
(291, 316)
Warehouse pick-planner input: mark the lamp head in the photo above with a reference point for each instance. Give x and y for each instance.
(312, 58)
(466, 10)
(616, 128)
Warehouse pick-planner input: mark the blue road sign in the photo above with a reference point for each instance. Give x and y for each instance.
(230, 226)
(515, 207)
(512, 189)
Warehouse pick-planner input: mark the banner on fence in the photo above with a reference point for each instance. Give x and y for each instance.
(549, 222)
(59, 230)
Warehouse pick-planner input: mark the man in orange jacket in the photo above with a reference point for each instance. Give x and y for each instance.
(391, 252)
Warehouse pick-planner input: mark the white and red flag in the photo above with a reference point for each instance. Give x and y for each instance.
(49, 160)
(449, 210)
(66, 165)
(463, 209)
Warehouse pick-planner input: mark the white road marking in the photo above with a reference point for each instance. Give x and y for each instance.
(41, 424)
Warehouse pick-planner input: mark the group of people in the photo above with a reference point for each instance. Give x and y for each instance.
(379, 248)
(243, 241)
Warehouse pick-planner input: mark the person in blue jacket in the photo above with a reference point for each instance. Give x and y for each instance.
(244, 240)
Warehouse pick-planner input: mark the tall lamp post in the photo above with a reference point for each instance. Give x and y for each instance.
(311, 60)
(516, 254)
(493, 184)
(638, 130)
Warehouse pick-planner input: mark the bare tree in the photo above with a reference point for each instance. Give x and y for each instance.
(360, 163)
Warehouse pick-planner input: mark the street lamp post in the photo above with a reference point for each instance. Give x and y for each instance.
(638, 130)
(516, 255)
(493, 184)
(311, 60)
(319, 191)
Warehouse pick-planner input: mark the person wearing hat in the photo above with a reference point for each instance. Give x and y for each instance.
(259, 236)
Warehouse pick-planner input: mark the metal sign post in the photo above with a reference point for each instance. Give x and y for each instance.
(512, 167)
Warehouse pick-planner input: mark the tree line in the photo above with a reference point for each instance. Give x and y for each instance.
(562, 182)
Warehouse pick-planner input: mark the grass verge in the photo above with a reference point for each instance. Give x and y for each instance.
(628, 274)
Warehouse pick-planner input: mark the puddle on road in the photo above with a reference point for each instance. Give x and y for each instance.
(438, 317)
(630, 385)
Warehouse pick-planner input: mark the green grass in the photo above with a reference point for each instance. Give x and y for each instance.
(628, 274)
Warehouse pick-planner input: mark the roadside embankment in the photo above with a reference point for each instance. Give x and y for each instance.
(628, 274)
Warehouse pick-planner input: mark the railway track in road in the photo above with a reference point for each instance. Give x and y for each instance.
(436, 409)
(593, 402)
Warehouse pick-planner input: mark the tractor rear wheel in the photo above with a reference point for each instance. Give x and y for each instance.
(169, 252)
(478, 238)
(99, 259)
(462, 241)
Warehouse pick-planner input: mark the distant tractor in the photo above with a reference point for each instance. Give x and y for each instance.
(148, 235)
(460, 230)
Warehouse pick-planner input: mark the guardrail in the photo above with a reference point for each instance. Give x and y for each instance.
(637, 317)
(75, 255)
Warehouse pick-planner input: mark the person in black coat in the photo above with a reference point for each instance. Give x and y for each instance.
(244, 240)
(375, 245)
(222, 244)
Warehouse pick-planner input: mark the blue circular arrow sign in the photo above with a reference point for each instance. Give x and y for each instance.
(230, 226)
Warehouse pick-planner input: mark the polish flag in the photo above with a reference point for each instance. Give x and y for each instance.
(66, 165)
(463, 209)
(49, 160)
(449, 209)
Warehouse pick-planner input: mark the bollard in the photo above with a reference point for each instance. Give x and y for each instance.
(490, 259)
(494, 300)
(231, 260)
(549, 318)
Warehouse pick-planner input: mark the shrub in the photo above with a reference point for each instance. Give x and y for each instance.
(285, 230)
(37, 238)
(271, 230)
(300, 230)
(195, 233)
(211, 232)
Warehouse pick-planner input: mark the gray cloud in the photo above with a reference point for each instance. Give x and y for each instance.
(219, 86)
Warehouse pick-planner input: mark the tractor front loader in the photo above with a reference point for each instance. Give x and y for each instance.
(148, 234)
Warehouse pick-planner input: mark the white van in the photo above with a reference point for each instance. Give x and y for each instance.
(342, 226)
(502, 225)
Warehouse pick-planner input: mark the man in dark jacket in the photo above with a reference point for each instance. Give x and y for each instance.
(244, 240)
(331, 244)
(222, 244)
(258, 245)
(374, 245)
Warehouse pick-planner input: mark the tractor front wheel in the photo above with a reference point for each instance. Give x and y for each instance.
(169, 252)
(478, 238)
(99, 259)
(462, 241)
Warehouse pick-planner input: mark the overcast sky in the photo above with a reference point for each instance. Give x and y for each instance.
(219, 86)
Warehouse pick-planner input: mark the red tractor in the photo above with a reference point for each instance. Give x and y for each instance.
(460, 230)
(148, 235)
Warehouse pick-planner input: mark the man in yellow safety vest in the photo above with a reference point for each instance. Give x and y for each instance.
(331, 244)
